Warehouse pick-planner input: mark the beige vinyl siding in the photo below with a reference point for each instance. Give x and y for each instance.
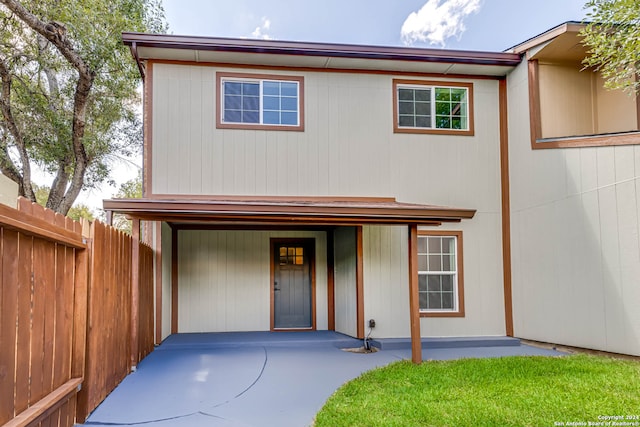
(345, 280)
(616, 110)
(348, 148)
(386, 278)
(575, 238)
(387, 286)
(563, 90)
(573, 101)
(166, 279)
(224, 279)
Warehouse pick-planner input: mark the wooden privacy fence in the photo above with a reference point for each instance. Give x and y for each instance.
(43, 311)
(111, 333)
(66, 314)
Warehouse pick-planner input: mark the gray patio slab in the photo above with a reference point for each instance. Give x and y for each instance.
(258, 379)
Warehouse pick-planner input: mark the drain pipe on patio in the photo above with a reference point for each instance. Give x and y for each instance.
(367, 339)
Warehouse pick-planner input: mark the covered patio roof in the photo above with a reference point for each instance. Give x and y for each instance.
(287, 210)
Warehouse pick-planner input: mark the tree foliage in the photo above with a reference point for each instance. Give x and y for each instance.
(131, 189)
(613, 40)
(69, 90)
(76, 212)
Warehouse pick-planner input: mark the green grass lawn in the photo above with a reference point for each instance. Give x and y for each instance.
(508, 391)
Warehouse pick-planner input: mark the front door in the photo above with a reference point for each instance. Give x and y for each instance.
(292, 283)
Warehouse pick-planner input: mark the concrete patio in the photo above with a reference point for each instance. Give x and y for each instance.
(262, 378)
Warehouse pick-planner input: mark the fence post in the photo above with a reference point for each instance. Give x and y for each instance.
(81, 285)
(135, 290)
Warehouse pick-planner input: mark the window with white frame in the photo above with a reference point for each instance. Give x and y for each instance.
(440, 273)
(250, 101)
(433, 107)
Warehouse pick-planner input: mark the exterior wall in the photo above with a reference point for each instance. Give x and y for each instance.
(386, 282)
(8, 192)
(345, 280)
(348, 148)
(563, 88)
(566, 87)
(224, 280)
(575, 238)
(166, 280)
(616, 110)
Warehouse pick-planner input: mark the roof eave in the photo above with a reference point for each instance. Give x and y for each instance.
(569, 26)
(277, 47)
(285, 213)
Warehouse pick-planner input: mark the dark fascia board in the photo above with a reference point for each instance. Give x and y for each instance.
(547, 35)
(286, 211)
(319, 49)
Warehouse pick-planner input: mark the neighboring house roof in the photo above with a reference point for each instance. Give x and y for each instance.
(288, 210)
(305, 55)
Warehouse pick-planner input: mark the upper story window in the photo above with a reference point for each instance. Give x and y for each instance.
(251, 101)
(433, 107)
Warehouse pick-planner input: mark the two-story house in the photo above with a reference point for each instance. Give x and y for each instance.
(308, 186)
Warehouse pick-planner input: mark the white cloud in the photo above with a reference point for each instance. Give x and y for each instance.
(437, 21)
(261, 32)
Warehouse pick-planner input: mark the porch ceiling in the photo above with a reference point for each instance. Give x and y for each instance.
(283, 211)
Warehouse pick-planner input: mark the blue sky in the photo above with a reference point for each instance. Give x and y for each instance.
(489, 25)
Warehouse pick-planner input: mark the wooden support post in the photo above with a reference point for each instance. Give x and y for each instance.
(414, 305)
(174, 280)
(158, 276)
(359, 283)
(135, 290)
(331, 281)
(110, 218)
(506, 208)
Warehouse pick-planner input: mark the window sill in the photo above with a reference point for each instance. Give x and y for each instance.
(602, 140)
(433, 131)
(442, 314)
(246, 126)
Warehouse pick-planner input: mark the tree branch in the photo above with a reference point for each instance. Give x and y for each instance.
(24, 181)
(52, 80)
(59, 184)
(56, 34)
(7, 167)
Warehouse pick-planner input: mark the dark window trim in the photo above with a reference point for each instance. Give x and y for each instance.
(277, 77)
(460, 285)
(433, 83)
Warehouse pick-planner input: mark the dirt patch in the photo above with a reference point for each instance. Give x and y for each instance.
(361, 350)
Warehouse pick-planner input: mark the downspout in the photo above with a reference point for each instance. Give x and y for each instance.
(134, 52)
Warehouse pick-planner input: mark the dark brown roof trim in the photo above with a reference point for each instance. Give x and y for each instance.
(320, 49)
(547, 35)
(293, 211)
